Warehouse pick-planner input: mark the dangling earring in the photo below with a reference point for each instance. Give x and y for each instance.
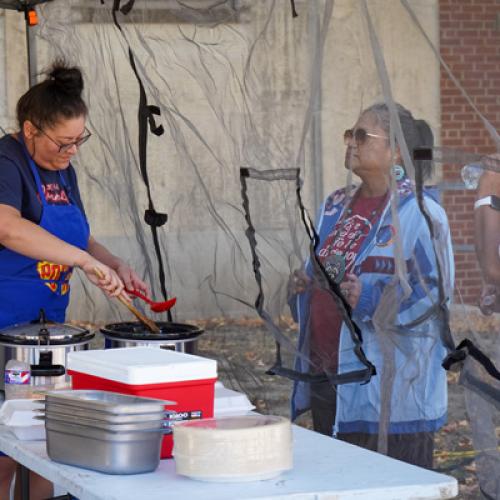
(398, 171)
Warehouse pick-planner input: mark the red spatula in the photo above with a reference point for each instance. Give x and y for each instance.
(157, 307)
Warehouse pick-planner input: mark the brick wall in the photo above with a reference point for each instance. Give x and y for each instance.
(470, 45)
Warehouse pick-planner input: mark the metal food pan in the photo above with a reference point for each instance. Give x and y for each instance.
(111, 402)
(131, 456)
(100, 424)
(102, 434)
(112, 418)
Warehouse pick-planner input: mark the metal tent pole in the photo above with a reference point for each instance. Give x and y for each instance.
(30, 16)
(30, 47)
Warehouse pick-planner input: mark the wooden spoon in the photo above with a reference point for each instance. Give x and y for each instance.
(149, 323)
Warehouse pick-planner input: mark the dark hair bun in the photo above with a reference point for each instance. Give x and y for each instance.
(59, 96)
(67, 79)
(425, 133)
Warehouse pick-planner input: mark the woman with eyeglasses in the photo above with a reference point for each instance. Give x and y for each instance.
(44, 232)
(357, 249)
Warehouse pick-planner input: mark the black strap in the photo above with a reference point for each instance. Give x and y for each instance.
(294, 10)
(341, 303)
(467, 348)
(127, 7)
(362, 376)
(146, 116)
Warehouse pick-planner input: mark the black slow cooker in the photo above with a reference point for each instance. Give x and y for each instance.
(177, 336)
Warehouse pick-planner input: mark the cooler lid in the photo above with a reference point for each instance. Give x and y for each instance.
(142, 365)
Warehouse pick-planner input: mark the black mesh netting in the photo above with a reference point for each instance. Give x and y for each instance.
(213, 113)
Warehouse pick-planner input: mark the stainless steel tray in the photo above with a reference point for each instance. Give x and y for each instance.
(125, 453)
(102, 434)
(100, 424)
(112, 418)
(111, 402)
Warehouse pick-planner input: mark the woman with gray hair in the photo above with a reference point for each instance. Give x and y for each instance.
(363, 245)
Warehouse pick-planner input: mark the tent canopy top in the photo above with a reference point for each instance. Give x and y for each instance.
(20, 5)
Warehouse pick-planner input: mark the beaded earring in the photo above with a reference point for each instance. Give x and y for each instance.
(398, 171)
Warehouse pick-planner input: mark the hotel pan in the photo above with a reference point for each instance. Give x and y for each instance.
(105, 401)
(103, 451)
(112, 418)
(100, 424)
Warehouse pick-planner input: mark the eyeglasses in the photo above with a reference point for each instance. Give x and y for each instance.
(63, 148)
(360, 135)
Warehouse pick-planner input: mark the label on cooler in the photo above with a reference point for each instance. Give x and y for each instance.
(21, 377)
(177, 416)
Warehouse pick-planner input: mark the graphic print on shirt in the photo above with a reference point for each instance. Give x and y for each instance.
(55, 276)
(347, 239)
(333, 202)
(55, 194)
(385, 236)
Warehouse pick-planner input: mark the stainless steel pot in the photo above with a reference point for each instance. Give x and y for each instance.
(176, 336)
(45, 346)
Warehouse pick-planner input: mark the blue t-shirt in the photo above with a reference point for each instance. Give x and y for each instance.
(18, 187)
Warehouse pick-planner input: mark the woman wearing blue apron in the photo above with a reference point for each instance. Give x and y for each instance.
(44, 232)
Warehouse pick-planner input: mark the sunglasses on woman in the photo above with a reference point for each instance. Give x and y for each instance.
(63, 148)
(360, 135)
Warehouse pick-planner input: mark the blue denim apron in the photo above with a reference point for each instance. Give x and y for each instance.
(28, 285)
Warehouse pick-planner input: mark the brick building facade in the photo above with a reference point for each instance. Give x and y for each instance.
(470, 45)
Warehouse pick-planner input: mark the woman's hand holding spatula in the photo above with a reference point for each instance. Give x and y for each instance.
(125, 300)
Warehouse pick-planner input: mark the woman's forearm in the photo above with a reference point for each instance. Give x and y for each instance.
(26, 238)
(487, 229)
(121, 268)
(102, 254)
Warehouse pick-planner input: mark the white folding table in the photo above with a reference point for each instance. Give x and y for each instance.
(324, 468)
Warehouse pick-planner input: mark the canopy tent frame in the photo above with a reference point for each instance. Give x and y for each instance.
(27, 7)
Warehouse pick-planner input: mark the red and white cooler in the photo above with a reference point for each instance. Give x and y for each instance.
(153, 373)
